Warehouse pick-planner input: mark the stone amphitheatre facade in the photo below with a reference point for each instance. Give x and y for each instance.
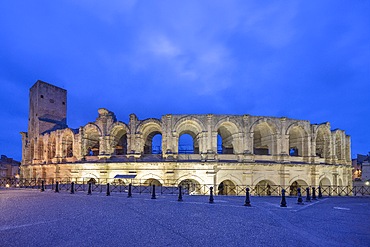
(231, 150)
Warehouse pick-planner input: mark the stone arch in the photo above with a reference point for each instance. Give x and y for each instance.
(338, 145)
(151, 177)
(227, 187)
(347, 148)
(191, 177)
(91, 139)
(52, 146)
(229, 130)
(89, 177)
(325, 181)
(191, 185)
(340, 182)
(264, 133)
(152, 181)
(295, 184)
(298, 140)
(32, 150)
(266, 187)
(325, 185)
(322, 141)
(193, 127)
(67, 143)
(40, 148)
(148, 129)
(118, 138)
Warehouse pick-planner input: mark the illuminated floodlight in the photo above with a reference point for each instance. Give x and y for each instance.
(7, 186)
(367, 183)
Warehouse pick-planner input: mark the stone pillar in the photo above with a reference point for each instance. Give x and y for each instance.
(210, 138)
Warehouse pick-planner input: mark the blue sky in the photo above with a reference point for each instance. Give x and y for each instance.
(307, 60)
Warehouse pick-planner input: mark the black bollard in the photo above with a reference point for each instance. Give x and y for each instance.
(108, 190)
(179, 199)
(300, 200)
(308, 198)
(320, 193)
(89, 189)
(211, 195)
(42, 186)
(56, 187)
(283, 200)
(247, 200)
(72, 188)
(129, 191)
(153, 192)
(313, 193)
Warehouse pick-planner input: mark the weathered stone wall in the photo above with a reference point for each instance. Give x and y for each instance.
(255, 150)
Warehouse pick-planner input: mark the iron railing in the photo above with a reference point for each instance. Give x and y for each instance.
(171, 187)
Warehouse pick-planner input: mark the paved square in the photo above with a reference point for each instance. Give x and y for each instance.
(33, 218)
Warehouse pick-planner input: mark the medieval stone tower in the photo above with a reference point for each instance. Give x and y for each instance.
(47, 112)
(48, 108)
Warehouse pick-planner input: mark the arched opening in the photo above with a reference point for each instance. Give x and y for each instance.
(91, 180)
(227, 187)
(265, 188)
(41, 150)
(224, 141)
(341, 189)
(325, 186)
(325, 182)
(119, 143)
(263, 139)
(32, 150)
(92, 142)
(52, 148)
(153, 143)
(338, 146)
(188, 143)
(340, 183)
(322, 144)
(348, 150)
(191, 186)
(67, 144)
(296, 142)
(121, 146)
(151, 182)
(293, 188)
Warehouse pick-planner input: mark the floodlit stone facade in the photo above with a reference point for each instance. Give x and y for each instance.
(229, 150)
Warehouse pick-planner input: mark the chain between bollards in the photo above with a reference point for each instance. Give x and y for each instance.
(247, 200)
(320, 194)
(153, 192)
(129, 191)
(179, 199)
(211, 200)
(313, 193)
(108, 190)
(283, 200)
(56, 187)
(89, 190)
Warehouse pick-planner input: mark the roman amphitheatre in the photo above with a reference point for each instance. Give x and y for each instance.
(226, 151)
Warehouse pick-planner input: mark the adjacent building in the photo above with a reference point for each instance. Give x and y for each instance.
(9, 168)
